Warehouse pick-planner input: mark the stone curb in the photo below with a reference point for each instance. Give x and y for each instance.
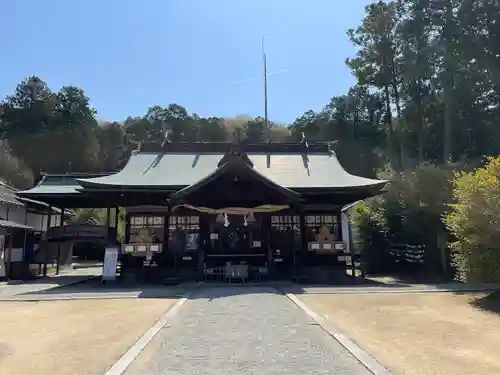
(392, 290)
(364, 358)
(48, 298)
(130, 355)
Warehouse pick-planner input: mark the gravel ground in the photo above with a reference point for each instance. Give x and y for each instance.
(243, 330)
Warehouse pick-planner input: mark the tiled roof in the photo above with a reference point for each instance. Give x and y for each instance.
(8, 195)
(12, 224)
(290, 170)
(57, 184)
(180, 165)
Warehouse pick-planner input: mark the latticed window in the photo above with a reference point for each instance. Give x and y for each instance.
(285, 222)
(184, 223)
(184, 233)
(146, 229)
(146, 221)
(316, 223)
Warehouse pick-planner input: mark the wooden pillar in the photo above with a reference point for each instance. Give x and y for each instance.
(127, 228)
(25, 233)
(7, 248)
(295, 211)
(47, 250)
(61, 222)
(108, 220)
(202, 244)
(303, 241)
(8, 256)
(117, 213)
(266, 229)
(339, 227)
(166, 231)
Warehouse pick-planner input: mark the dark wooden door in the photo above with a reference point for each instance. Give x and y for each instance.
(235, 240)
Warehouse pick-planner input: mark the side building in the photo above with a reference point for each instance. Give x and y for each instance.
(23, 223)
(223, 210)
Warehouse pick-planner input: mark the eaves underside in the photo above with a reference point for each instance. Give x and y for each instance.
(173, 189)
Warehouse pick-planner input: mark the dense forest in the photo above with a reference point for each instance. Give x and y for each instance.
(424, 112)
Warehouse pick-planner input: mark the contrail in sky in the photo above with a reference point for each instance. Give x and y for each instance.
(255, 78)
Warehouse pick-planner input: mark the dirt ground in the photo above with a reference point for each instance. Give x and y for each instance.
(419, 334)
(80, 337)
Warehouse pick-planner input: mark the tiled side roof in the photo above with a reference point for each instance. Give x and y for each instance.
(57, 184)
(8, 195)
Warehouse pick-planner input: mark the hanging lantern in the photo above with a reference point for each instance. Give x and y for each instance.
(219, 219)
(250, 218)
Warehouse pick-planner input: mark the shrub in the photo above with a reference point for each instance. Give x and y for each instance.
(370, 233)
(474, 223)
(410, 212)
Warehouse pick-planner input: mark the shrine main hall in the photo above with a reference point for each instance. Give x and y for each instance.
(220, 211)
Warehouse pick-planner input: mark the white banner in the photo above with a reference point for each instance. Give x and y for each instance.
(110, 263)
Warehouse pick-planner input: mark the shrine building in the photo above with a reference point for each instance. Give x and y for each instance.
(222, 211)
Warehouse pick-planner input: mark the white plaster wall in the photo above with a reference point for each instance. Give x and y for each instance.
(3, 211)
(17, 214)
(54, 220)
(35, 221)
(39, 222)
(12, 213)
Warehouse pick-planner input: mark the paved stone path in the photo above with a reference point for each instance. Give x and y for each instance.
(244, 330)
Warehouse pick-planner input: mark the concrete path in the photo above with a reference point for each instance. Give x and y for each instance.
(243, 330)
(50, 282)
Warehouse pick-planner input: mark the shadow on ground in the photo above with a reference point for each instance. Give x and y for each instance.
(94, 289)
(489, 303)
(58, 281)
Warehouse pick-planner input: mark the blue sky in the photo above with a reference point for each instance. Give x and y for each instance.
(128, 54)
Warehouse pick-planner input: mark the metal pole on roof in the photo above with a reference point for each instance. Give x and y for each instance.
(264, 61)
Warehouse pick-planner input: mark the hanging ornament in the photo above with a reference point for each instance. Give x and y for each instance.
(251, 218)
(245, 220)
(226, 220)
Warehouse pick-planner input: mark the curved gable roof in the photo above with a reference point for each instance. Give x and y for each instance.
(232, 166)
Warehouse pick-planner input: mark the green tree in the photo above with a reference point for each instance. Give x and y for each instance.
(255, 130)
(112, 146)
(211, 129)
(50, 132)
(375, 65)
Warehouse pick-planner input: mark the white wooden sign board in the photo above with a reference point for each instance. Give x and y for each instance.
(110, 263)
